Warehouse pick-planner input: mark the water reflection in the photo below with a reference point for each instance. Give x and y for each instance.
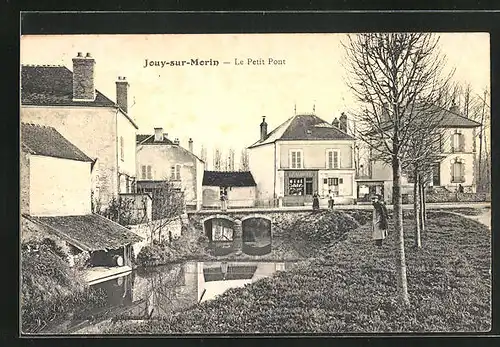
(163, 290)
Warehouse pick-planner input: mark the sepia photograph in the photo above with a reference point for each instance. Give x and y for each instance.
(285, 183)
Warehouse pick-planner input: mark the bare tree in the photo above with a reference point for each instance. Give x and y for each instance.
(203, 153)
(392, 75)
(217, 159)
(244, 162)
(168, 205)
(229, 163)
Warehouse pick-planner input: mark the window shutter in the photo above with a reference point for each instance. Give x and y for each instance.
(149, 172)
(452, 137)
(143, 171)
(299, 160)
(452, 171)
(172, 172)
(462, 172)
(461, 138)
(336, 159)
(293, 159)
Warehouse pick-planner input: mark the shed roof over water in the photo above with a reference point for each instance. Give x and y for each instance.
(88, 232)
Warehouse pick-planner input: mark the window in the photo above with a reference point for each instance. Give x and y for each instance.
(458, 144)
(457, 171)
(332, 159)
(296, 159)
(122, 149)
(296, 186)
(175, 172)
(146, 172)
(333, 182)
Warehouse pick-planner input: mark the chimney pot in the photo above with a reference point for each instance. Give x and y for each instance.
(190, 145)
(88, 55)
(158, 134)
(80, 55)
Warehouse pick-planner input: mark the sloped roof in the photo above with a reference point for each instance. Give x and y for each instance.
(150, 140)
(88, 232)
(449, 119)
(304, 127)
(52, 85)
(47, 141)
(228, 179)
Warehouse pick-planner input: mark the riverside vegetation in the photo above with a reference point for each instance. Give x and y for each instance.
(349, 286)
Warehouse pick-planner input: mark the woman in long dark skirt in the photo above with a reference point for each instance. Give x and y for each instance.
(315, 201)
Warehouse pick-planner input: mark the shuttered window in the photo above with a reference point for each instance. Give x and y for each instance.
(296, 159)
(332, 159)
(458, 171)
(143, 171)
(175, 172)
(458, 142)
(149, 174)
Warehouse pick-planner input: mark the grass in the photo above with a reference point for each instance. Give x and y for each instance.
(50, 289)
(351, 288)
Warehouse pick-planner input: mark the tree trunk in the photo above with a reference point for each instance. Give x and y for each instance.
(398, 231)
(416, 208)
(421, 210)
(424, 207)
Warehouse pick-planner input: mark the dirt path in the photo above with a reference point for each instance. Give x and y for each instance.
(484, 218)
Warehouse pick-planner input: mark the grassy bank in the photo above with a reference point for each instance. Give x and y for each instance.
(50, 289)
(351, 288)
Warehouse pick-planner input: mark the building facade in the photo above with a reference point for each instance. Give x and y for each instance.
(239, 188)
(68, 101)
(160, 159)
(55, 174)
(456, 164)
(302, 156)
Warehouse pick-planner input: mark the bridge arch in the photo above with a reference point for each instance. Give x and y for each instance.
(256, 232)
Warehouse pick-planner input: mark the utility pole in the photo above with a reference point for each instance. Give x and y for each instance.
(481, 142)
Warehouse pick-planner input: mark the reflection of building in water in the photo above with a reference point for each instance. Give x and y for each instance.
(221, 231)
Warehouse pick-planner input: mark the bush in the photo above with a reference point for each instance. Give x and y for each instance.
(190, 245)
(318, 231)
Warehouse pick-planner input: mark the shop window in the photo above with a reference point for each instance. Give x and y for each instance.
(296, 186)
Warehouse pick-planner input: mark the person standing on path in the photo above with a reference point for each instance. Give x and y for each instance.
(223, 200)
(331, 200)
(316, 201)
(379, 221)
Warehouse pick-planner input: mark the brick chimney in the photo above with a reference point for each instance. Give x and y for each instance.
(191, 145)
(158, 134)
(335, 122)
(454, 108)
(343, 122)
(122, 93)
(83, 77)
(263, 129)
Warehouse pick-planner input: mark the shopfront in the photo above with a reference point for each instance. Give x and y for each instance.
(299, 187)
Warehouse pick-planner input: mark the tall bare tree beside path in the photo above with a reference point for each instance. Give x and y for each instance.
(394, 75)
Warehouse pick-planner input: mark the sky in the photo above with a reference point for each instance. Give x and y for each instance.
(222, 106)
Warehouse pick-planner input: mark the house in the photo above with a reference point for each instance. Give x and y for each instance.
(239, 187)
(68, 101)
(456, 164)
(161, 160)
(55, 180)
(303, 155)
(55, 174)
